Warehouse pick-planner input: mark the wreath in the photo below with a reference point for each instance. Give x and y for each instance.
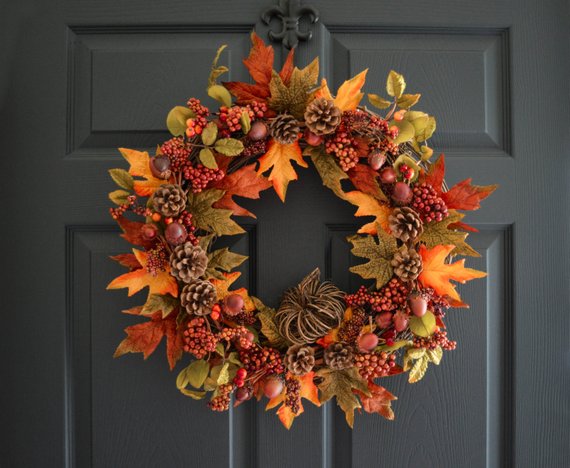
(321, 342)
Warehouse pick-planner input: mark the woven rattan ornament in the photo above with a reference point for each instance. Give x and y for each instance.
(169, 200)
(188, 262)
(285, 129)
(310, 310)
(407, 264)
(300, 359)
(405, 224)
(198, 297)
(322, 116)
(339, 356)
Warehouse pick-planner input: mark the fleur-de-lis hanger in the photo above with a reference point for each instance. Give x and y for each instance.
(290, 12)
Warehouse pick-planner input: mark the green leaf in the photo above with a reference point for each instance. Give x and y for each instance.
(427, 130)
(234, 359)
(217, 70)
(395, 84)
(378, 101)
(229, 146)
(209, 134)
(220, 94)
(220, 349)
(213, 220)
(224, 260)
(245, 121)
(205, 241)
(330, 172)
(197, 372)
(207, 158)
(224, 375)
(119, 197)
(156, 302)
(423, 326)
(176, 120)
(122, 178)
(408, 100)
(406, 131)
(438, 233)
(424, 125)
(269, 329)
(196, 395)
(379, 255)
(418, 370)
(435, 355)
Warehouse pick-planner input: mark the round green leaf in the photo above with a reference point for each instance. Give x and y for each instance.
(423, 326)
(378, 101)
(220, 94)
(176, 120)
(207, 158)
(119, 197)
(122, 178)
(209, 134)
(406, 131)
(395, 84)
(197, 372)
(229, 146)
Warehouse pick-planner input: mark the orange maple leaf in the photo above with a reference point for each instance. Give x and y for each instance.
(348, 96)
(127, 260)
(308, 391)
(260, 66)
(223, 289)
(161, 283)
(244, 182)
(278, 159)
(436, 273)
(369, 206)
(379, 401)
(139, 161)
(145, 337)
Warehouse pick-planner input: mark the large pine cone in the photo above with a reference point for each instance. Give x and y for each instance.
(339, 356)
(284, 129)
(407, 264)
(322, 116)
(300, 359)
(188, 262)
(198, 297)
(169, 200)
(405, 224)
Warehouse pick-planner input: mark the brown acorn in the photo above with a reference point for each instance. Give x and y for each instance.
(418, 304)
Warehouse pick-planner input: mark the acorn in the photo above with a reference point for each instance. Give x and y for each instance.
(258, 131)
(402, 194)
(243, 393)
(367, 342)
(388, 175)
(400, 320)
(160, 167)
(175, 233)
(233, 304)
(418, 304)
(312, 139)
(149, 232)
(273, 387)
(376, 159)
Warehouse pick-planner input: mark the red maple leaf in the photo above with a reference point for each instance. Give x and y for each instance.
(132, 232)
(145, 337)
(363, 177)
(127, 260)
(464, 196)
(260, 66)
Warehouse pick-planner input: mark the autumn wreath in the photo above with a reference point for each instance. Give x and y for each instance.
(321, 342)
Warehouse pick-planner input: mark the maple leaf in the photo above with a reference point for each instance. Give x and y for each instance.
(139, 161)
(145, 337)
(127, 260)
(364, 179)
(436, 273)
(348, 95)
(329, 171)
(294, 96)
(435, 174)
(308, 390)
(244, 182)
(260, 66)
(215, 220)
(223, 285)
(341, 384)
(438, 233)
(224, 260)
(278, 159)
(379, 401)
(464, 196)
(378, 254)
(370, 206)
(269, 328)
(161, 283)
(132, 232)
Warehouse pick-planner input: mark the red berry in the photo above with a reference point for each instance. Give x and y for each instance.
(239, 382)
(258, 131)
(376, 159)
(241, 373)
(389, 342)
(250, 337)
(367, 342)
(418, 304)
(175, 233)
(384, 319)
(402, 193)
(388, 175)
(273, 387)
(149, 231)
(215, 315)
(168, 220)
(398, 116)
(312, 139)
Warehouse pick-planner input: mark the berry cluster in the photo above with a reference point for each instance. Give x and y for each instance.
(230, 117)
(200, 176)
(241, 335)
(293, 394)
(254, 147)
(439, 338)
(157, 260)
(185, 219)
(344, 147)
(373, 365)
(177, 151)
(120, 210)
(195, 125)
(267, 360)
(389, 298)
(239, 379)
(426, 202)
(350, 329)
(221, 402)
(198, 339)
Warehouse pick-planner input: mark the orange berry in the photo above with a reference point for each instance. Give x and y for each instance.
(156, 217)
(398, 116)
(168, 220)
(215, 315)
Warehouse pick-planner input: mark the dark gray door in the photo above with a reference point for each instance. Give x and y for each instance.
(80, 78)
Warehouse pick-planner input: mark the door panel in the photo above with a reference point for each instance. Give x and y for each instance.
(85, 77)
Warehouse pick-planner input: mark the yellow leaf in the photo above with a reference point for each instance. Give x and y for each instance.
(395, 84)
(278, 159)
(349, 96)
(139, 166)
(370, 206)
(323, 91)
(379, 101)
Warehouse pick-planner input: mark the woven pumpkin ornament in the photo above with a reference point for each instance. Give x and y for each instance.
(310, 310)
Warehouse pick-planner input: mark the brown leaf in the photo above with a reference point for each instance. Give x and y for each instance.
(379, 401)
(127, 260)
(364, 178)
(132, 232)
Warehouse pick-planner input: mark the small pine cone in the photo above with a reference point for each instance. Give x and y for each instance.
(198, 297)
(284, 129)
(169, 200)
(322, 116)
(407, 264)
(188, 262)
(339, 356)
(405, 224)
(300, 359)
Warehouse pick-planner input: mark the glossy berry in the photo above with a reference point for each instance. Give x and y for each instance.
(215, 315)
(383, 319)
(376, 159)
(388, 175)
(399, 116)
(367, 342)
(149, 232)
(418, 304)
(156, 217)
(239, 382)
(241, 373)
(312, 139)
(175, 233)
(400, 320)
(273, 387)
(402, 193)
(258, 131)
(160, 167)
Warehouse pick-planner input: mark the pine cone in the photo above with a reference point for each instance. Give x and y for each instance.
(198, 297)
(405, 224)
(188, 262)
(322, 116)
(339, 356)
(284, 129)
(407, 264)
(300, 359)
(169, 200)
